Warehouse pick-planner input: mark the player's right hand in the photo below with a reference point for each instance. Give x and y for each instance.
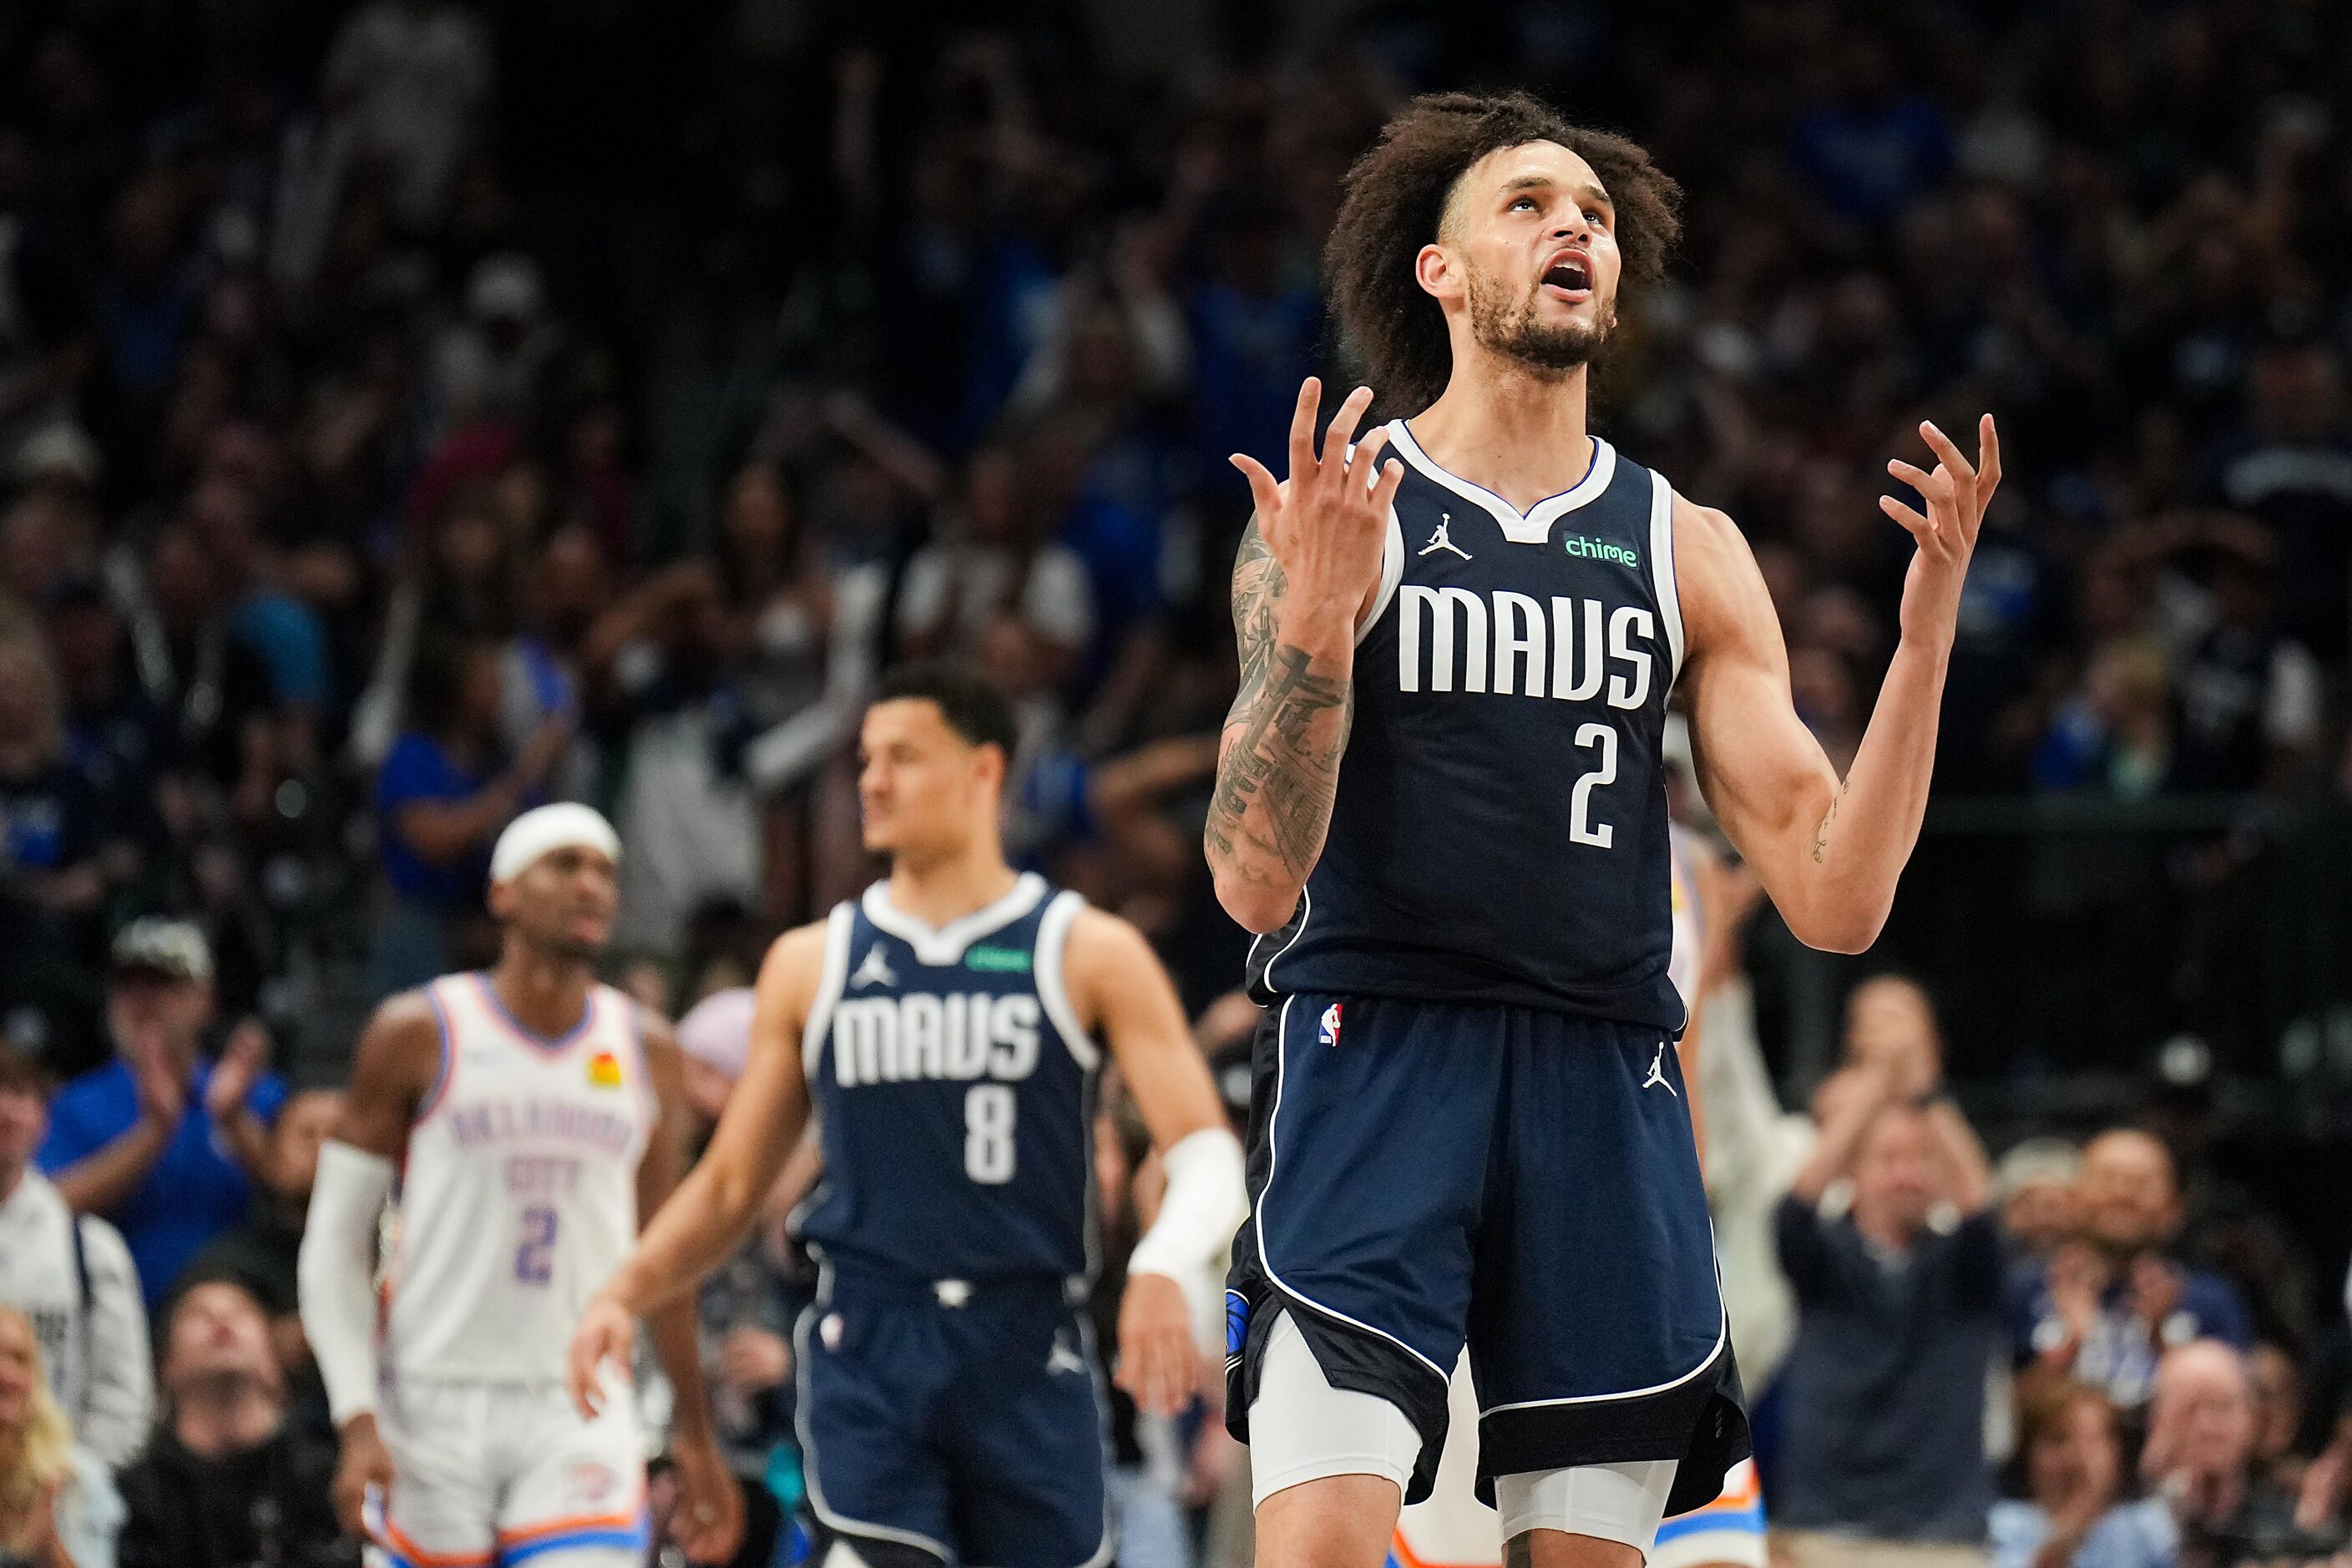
(364, 1462)
(607, 1332)
(1328, 524)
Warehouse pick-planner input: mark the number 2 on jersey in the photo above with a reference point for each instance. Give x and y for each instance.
(988, 1134)
(1580, 826)
(535, 1259)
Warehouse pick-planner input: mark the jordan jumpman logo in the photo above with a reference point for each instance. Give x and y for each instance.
(1442, 540)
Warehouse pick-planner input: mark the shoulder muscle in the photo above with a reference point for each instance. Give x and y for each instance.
(398, 1057)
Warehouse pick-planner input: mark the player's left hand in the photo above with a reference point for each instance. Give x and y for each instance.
(708, 1523)
(1159, 1364)
(1957, 494)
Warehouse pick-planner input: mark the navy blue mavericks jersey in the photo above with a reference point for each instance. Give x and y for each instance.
(954, 1093)
(1499, 834)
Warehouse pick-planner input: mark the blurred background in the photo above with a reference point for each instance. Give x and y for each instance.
(412, 410)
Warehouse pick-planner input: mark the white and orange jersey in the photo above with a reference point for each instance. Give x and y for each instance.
(518, 1192)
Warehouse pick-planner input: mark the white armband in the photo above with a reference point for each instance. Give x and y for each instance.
(1207, 1199)
(337, 1274)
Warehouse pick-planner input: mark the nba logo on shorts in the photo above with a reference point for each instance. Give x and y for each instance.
(1328, 1029)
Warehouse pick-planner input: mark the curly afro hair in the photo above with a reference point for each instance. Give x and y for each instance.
(1393, 200)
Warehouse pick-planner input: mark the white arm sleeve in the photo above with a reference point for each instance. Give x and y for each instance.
(1207, 1200)
(337, 1274)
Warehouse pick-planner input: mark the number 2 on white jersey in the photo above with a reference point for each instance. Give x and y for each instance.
(534, 1258)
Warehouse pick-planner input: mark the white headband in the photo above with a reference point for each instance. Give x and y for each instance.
(537, 833)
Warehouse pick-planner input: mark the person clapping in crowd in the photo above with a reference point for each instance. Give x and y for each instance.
(57, 1509)
(2108, 1304)
(228, 1481)
(1897, 1261)
(2074, 1513)
(160, 1142)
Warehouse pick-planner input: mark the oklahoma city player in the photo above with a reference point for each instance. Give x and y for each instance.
(534, 1115)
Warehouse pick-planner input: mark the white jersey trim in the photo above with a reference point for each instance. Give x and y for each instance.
(1307, 912)
(1257, 1215)
(1053, 935)
(1391, 574)
(943, 947)
(495, 1006)
(1662, 571)
(1722, 1332)
(831, 976)
(446, 1069)
(1533, 526)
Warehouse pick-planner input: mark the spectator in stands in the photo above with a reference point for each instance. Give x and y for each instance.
(159, 1141)
(2035, 1183)
(411, 76)
(71, 1277)
(1897, 1277)
(2074, 1514)
(443, 796)
(53, 831)
(670, 708)
(2108, 1304)
(991, 564)
(2277, 1384)
(261, 1254)
(57, 1509)
(2199, 1457)
(228, 1481)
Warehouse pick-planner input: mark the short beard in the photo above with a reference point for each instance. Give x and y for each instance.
(1515, 333)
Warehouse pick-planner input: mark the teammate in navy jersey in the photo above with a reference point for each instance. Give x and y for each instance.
(1439, 802)
(948, 1026)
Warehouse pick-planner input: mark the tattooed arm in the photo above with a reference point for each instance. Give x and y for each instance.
(1828, 850)
(1308, 564)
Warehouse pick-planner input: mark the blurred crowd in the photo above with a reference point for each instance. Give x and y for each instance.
(412, 411)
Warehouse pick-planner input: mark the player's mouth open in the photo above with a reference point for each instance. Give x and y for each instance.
(1569, 277)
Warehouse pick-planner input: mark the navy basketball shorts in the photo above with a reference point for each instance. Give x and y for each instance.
(1428, 1173)
(961, 1420)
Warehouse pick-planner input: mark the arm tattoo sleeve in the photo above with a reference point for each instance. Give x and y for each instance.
(1283, 738)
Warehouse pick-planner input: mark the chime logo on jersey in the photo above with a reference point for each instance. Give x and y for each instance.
(998, 960)
(1326, 1028)
(604, 1071)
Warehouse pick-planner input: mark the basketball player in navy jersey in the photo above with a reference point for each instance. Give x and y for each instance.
(948, 1026)
(1440, 800)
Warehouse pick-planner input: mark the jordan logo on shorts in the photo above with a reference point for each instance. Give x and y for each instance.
(1326, 1029)
(1442, 540)
(1658, 1071)
(875, 970)
(1061, 1358)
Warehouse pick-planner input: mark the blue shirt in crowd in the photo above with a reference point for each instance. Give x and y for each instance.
(420, 768)
(285, 632)
(196, 1189)
(2119, 1356)
(2129, 1535)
